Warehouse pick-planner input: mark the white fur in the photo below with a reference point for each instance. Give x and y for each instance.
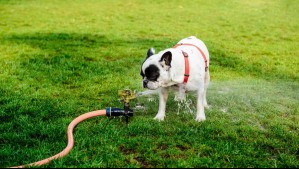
(172, 77)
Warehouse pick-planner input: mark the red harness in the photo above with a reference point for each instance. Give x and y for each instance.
(186, 75)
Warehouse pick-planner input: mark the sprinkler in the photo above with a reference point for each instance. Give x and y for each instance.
(125, 96)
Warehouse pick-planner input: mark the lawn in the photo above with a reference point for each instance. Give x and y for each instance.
(60, 59)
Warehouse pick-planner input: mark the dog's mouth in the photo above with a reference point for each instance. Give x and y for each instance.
(151, 85)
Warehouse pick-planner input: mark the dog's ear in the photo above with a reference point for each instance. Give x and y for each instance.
(150, 52)
(166, 60)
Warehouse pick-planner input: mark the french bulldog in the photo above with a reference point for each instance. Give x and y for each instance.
(183, 67)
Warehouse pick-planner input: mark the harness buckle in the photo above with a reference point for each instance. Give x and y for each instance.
(185, 54)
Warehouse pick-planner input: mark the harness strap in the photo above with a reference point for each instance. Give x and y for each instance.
(202, 54)
(186, 67)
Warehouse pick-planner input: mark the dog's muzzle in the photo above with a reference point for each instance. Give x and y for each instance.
(150, 84)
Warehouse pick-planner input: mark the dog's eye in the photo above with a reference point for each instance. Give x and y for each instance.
(153, 77)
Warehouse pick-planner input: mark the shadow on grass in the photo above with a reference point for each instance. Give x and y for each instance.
(77, 57)
(93, 54)
(72, 43)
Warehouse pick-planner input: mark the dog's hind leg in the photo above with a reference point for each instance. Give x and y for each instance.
(206, 85)
(200, 115)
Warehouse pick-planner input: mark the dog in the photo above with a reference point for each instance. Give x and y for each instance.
(183, 67)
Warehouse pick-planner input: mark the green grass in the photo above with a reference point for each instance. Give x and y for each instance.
(60, 59)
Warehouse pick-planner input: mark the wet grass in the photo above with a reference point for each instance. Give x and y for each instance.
(60, 59)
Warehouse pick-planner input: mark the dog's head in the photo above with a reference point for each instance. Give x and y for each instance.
(155, 70)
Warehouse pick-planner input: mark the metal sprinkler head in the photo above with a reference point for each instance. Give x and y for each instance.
(126, 95)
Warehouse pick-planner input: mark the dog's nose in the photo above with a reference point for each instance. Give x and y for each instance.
(145, 83)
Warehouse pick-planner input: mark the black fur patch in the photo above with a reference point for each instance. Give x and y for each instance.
(152, 73)
(150, 52)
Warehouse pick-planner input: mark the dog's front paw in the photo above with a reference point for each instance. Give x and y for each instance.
(200, 118)
(159, 117)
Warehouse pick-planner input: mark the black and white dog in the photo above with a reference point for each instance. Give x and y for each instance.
(183, 67)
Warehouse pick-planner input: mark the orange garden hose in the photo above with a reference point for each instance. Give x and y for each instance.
(70, 137)
(126, 95)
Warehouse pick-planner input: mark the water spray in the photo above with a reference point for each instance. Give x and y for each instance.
(125, 96)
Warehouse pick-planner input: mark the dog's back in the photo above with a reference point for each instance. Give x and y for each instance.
(197, 42)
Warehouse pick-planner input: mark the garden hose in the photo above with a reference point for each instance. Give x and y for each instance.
(125, 96)
(108, 112)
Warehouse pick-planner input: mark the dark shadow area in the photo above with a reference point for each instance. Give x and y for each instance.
(65, 58)
(62, 42)
(76, 52)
